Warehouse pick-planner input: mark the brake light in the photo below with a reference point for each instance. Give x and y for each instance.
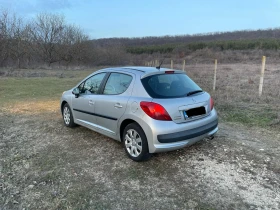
(155, 111)
(169, 72)
(211, 103)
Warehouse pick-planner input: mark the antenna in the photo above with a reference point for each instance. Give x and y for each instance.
(158, 67)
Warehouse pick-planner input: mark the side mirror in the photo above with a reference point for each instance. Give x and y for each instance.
(76, 92)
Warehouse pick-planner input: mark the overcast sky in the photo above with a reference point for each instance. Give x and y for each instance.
(136, 18)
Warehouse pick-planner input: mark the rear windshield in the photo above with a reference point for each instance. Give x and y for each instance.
(169, 85)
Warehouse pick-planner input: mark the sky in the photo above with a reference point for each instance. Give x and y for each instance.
(138, 18)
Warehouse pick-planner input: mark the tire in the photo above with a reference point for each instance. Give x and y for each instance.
(135, 143)
(68, 116)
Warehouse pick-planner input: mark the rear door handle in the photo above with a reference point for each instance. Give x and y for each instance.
(91, 102)
(118, 105)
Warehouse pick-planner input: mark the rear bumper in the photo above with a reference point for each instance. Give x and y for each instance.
(165, 136)
(164, 147)
(188, 134)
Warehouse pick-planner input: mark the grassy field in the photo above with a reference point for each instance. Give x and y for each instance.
(237, 88)
(45, 165)
(48, 84)
(236, 95)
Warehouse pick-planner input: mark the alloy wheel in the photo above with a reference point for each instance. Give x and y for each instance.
(66, 115)
(133, 143)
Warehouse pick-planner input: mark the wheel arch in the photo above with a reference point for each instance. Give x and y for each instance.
(124, 124)
(62, 105)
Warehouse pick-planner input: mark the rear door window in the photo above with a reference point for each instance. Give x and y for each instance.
(117, 83)
(169, 85)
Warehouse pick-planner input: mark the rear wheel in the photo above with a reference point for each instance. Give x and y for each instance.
(68, 116)
(135, 142)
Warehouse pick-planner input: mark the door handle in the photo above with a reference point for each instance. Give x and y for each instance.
(118, 105)
(90, 102)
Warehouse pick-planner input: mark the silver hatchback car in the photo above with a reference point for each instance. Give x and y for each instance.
(148, 109)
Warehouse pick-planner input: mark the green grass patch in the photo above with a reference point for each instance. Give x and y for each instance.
(21, 86)
(20, 89)
(249, 115)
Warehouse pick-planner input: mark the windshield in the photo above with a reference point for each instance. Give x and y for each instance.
(169, 85)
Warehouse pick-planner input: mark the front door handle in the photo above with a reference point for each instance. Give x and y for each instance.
(91, 102)
(118, 105)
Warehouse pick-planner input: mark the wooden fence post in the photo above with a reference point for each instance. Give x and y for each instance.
(262, 75)
(171, 64)
(215, 75)
(184, 64)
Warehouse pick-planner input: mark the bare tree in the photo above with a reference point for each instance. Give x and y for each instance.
(47, 32)
(4, 37)
(73, 44)
(19, 40)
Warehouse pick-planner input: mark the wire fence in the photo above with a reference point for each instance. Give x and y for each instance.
(234, 82)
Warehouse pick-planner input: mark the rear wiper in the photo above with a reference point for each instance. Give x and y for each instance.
(194, 92)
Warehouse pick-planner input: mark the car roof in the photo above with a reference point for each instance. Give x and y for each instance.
(143, 68)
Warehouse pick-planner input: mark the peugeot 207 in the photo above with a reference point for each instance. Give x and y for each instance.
(148, 109)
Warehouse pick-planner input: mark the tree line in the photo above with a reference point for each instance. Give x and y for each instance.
(262, 44)
(48, 40)
(273, 33)
(45, 39)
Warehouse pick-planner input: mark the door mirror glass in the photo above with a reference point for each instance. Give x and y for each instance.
(76, 92)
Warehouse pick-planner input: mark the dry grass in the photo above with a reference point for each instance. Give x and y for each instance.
(238, 82)
(236, 96)
(33, 107)
(237, 91)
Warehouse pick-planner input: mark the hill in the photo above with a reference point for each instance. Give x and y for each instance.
(207, 37)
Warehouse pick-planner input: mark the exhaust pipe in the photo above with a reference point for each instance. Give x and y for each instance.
(210, 137)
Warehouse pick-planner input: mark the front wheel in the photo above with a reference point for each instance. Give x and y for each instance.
(135, 142)
(68, 116)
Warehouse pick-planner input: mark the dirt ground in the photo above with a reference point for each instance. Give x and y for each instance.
(45, 165)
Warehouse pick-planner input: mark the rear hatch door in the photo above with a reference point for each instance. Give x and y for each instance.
(186, 109)
(182, 98)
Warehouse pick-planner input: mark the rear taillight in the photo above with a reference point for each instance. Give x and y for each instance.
(155, 111)
(211, 103)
